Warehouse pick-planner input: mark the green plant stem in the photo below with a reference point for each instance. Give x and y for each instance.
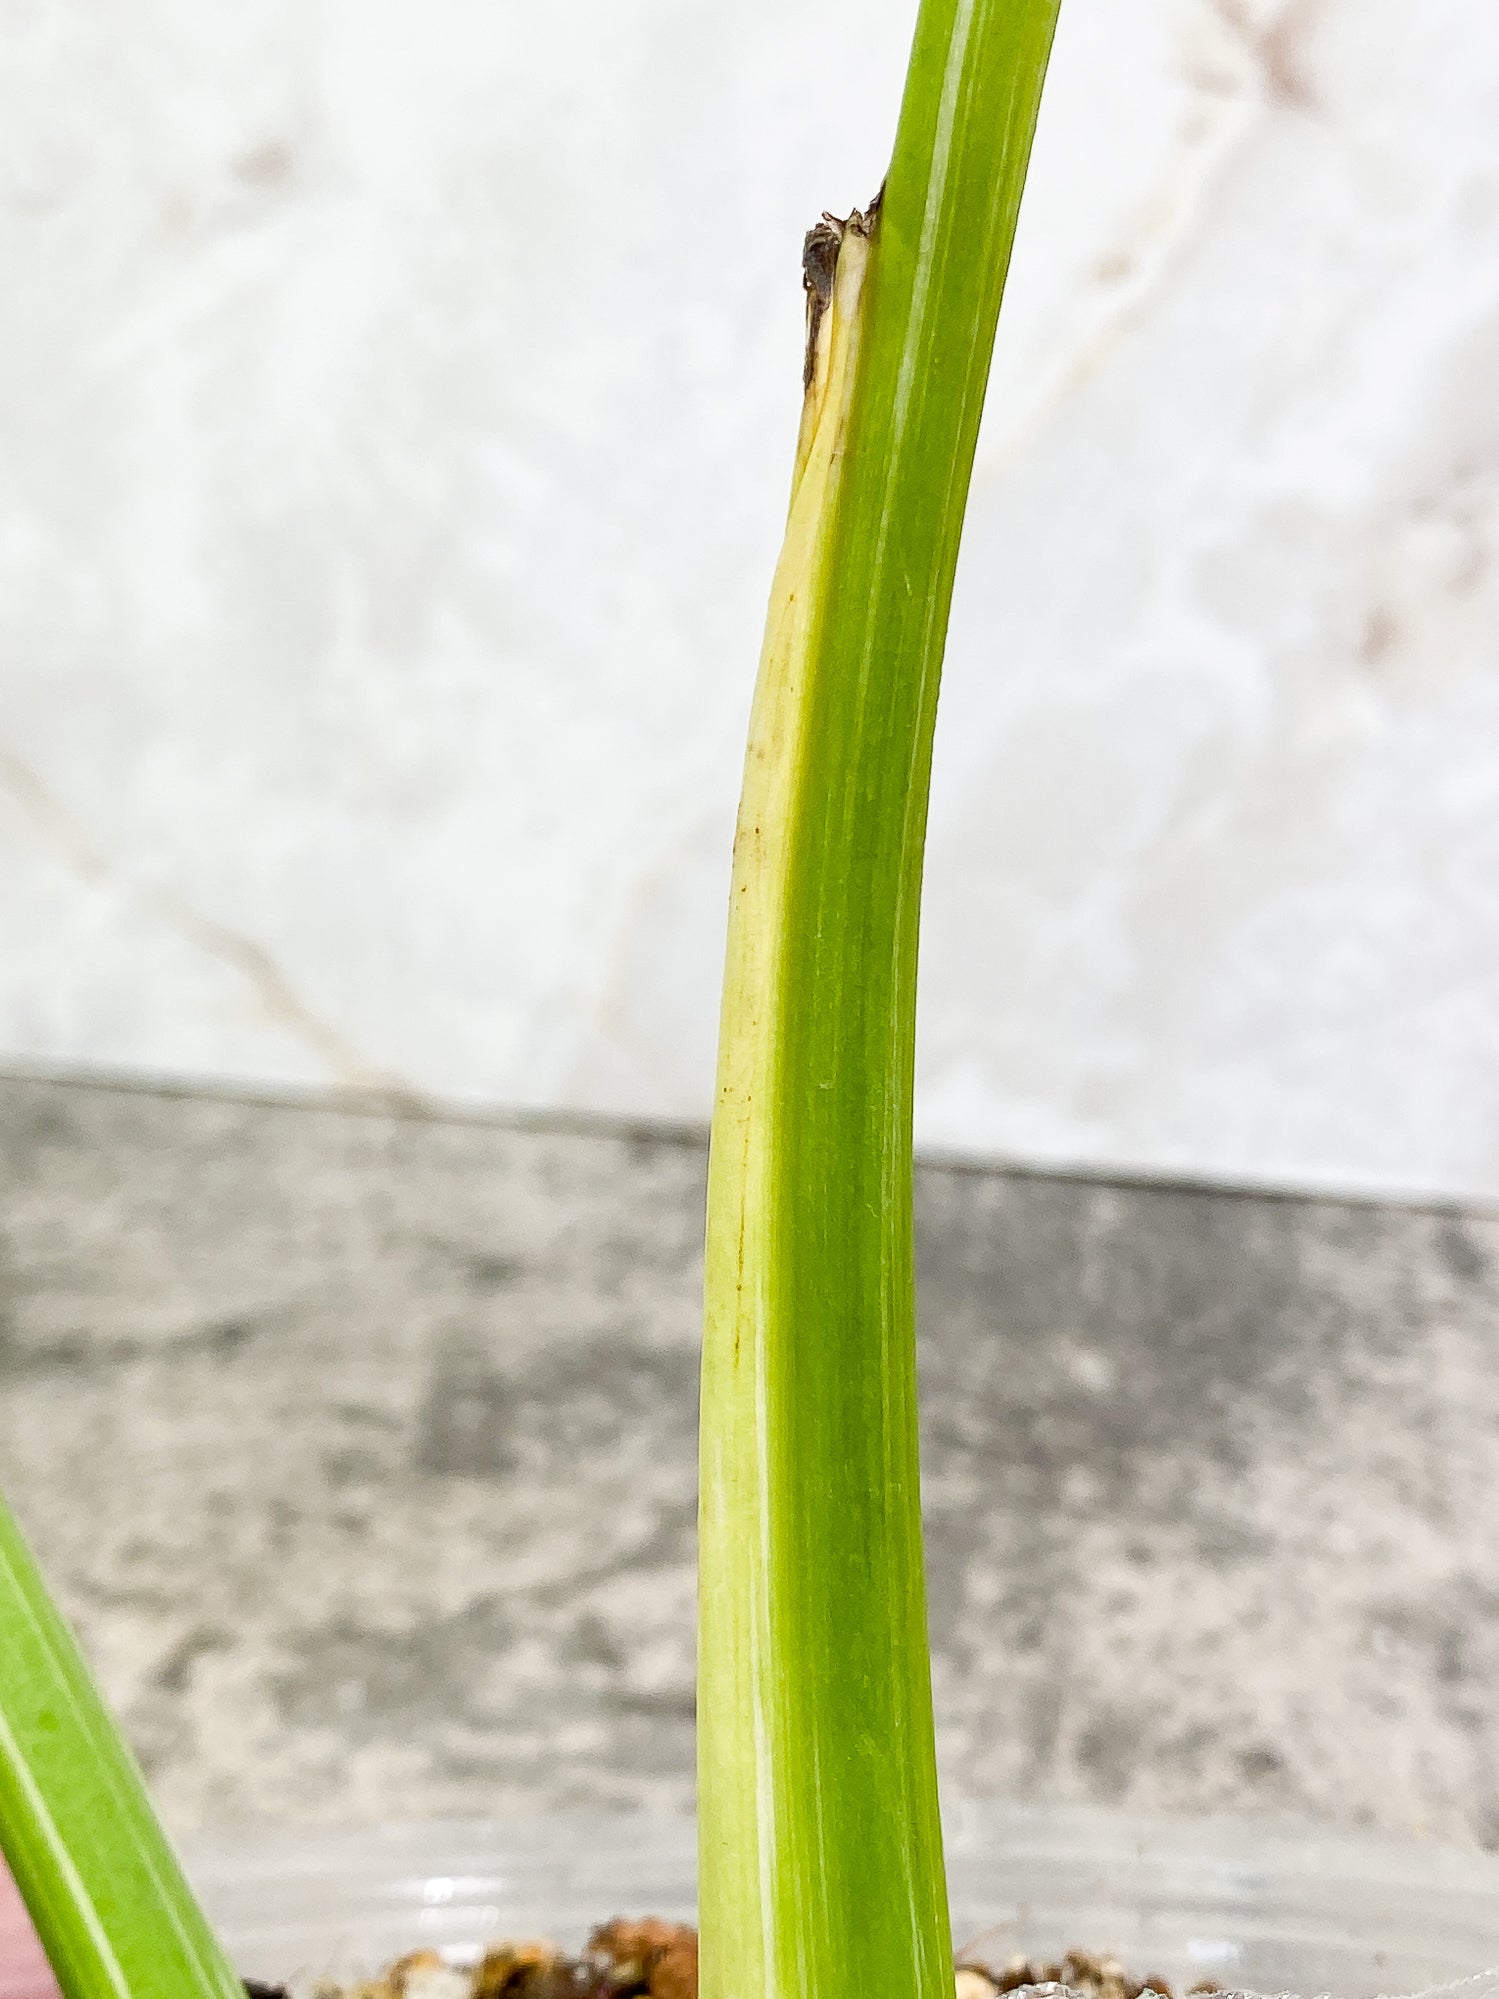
(109, 1901)
(820, 1846)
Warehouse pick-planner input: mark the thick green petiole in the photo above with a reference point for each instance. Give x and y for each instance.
(820, 1848)
(108, 1898)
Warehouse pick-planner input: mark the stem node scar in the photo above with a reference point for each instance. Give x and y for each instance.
(820, 249)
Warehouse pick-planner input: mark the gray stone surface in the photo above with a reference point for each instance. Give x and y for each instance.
(361, 1446)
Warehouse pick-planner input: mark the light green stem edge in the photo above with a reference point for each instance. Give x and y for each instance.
(108, 1898)
(820, 1851)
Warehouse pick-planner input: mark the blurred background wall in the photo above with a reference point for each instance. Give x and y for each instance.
(396, 414)
(396, 406)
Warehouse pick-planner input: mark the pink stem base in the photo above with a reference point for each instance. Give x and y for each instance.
(23, 1968)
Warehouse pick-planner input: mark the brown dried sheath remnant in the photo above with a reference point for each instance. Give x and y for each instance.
(820, 247)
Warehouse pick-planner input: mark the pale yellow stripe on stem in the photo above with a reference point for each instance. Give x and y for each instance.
(738, 1759)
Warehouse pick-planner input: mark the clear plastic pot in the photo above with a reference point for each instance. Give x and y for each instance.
(1262, 1906)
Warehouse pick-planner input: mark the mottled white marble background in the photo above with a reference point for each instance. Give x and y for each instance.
(396, 403)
